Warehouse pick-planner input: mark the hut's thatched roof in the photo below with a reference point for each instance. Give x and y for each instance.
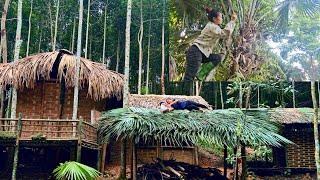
(24, 73)
(153, 101)
(291, 115)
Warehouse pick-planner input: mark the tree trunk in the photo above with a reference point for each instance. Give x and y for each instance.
(163, 50)
(221, 95)
(73, 35)
(51, 24)
(16, 56)
(118, 53)
(77, 69)
(3, 44)
(104, 35)
(315, 127)
(29, 31)
(243, 162)
(148, 60)
(140, 38)
(293, 95)
(87, 31)
(126, 83)
(16, 148)
(40, 38)
(56, 27)
(258, 96)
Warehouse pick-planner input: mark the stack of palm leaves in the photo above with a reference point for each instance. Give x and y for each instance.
(219, 127)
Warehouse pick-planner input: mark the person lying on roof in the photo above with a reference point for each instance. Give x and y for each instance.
(172, 104)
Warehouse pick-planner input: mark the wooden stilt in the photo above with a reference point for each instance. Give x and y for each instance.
(243, 162)
(103, 159)
(16, 151)
(225, 156)
(134, 161)
(196, 156)
(99, 158)
(79, 140)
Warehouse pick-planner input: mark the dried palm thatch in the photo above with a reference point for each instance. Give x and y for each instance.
(101, 82)
(291, 115)
(152, 101)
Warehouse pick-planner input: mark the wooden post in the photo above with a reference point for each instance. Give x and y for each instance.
(103, 159)
(99, 158)
(123, 160)
(225, 156)
(243, 162)
(16, 151)
(197, 88)
(134, 160)
(196, 156)
(79, 140)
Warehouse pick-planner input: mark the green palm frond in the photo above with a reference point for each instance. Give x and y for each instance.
(75, 171)
(309, 8)
(219, 127)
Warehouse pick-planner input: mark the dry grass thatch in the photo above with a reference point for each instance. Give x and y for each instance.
(101, 82)
(152, 101)
(291, 115)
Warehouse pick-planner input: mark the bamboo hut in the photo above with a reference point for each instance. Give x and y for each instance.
(45, 85)
(148, 152)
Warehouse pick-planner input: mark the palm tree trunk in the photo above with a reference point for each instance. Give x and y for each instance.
(76, 83)
(29, 31)
(163, 49)
(140, 38)
(56, 27)
(87, 31)
(126, 83)
(3, 44)
(315, 127)
(16, 57)
(148, 59)
(104, 35)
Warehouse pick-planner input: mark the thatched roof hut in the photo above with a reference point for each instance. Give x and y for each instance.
(60, 66)
(152, 101)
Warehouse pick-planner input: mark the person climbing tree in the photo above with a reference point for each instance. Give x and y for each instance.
(200, 50)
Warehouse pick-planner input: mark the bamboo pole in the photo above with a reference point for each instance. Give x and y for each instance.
(225, 163)
(16, 150)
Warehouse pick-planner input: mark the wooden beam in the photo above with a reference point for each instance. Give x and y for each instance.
(103, 159)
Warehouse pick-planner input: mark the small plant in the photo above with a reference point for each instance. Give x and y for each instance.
(38, 137)
(71, 170)
(7, 135)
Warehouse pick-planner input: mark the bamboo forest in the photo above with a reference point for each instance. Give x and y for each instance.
(159, 89)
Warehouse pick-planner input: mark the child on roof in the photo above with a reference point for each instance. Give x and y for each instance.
(172, 104)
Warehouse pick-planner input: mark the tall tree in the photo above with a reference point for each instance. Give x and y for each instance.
(87, 30)
(56, 26)
(140, 38)
(315, 127)
(16, 57)
(3, 44)
(118, 52)
(163, 48)
(148, 58)
(14, 92)
(104, 34)
(126, 84)
(29, 30)
(73, 34)
(77, 68)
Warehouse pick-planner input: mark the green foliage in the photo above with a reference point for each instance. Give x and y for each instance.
(7, 135)
(219, 127)
(75, 171)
